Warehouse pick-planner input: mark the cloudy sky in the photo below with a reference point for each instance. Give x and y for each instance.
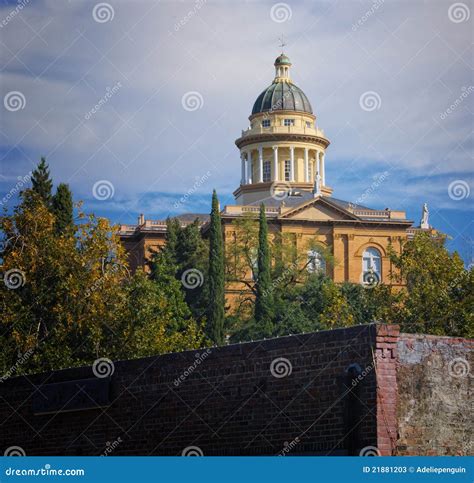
(144, 99)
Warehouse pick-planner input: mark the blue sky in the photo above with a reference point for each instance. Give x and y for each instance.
(138, 62)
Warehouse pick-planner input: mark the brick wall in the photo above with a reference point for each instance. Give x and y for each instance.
(230, 404)
(312, 394)
(387, 389)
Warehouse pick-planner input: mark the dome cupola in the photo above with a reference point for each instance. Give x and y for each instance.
(282, 152)
(282, 94)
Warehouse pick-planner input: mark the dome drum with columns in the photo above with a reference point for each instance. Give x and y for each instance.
(283, 149)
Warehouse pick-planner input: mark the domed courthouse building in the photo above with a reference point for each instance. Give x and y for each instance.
(283, 165)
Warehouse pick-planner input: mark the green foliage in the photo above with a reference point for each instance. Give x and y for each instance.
(215, 317)
(186, 250)
(42, 183)
(155, 317)
(62, 209)
(438, 298)
(263, 286)
(439, 291)
(77, 300)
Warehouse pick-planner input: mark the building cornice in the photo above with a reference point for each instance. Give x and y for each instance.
(281, 137)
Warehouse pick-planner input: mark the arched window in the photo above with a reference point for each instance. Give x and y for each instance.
(371, 265)
(316, 262)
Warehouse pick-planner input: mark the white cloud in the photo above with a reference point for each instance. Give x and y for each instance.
(143, 141)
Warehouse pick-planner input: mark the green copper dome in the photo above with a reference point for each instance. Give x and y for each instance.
(282, 96)
(282, 60)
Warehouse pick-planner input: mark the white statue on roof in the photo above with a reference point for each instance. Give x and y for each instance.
(317, 185)
(424, 223)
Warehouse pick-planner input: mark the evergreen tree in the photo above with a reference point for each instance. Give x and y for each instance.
(62, 209)
(264, 288)
(42, 183)
(192, 254)
(215, 317)
(173, 229)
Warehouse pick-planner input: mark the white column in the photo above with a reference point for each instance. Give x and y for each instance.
(306, 165)
(323, 169)
(242, 168)
(260, 164)
(275, 163)
(249, 167)
(292, 163)
(316, 164)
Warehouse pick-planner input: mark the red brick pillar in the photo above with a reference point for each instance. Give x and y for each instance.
(387, 390)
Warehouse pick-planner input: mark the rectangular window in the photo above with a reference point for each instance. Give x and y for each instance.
(289, 122)
(266, 171)
(287, 169)
(308, 124)
(266, 123)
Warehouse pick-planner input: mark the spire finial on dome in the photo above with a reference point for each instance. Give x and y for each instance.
(282, 65)
(282, 42)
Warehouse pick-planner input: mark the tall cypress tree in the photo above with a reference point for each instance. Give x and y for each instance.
(42, 183)
(264, 289)
(62, 209)
(215, 315)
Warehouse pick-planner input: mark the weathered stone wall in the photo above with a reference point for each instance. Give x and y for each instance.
(435, 383)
